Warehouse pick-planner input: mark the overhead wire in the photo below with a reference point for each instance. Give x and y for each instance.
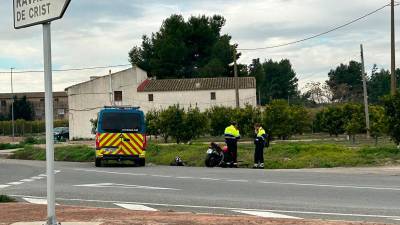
(319, 34)
(66, 70)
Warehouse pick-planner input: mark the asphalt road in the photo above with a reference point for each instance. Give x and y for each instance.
(334, 194)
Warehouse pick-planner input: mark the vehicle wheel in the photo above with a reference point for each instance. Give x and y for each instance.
(142, 162)
(210, 161)
(98, 163)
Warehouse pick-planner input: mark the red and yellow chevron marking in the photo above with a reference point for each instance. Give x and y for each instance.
(109, 140)
(135, 145)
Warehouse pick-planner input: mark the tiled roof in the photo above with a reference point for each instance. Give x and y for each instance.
(218, 83)
(32, 95)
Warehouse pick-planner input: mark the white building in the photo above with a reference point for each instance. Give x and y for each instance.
(131, 87)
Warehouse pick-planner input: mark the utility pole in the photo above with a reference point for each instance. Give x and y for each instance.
(236, 78)
(393, 53)
(365, 92)
(111, 91)
(12, 105)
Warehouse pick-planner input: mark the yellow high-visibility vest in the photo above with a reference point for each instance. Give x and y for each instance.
(232, 132)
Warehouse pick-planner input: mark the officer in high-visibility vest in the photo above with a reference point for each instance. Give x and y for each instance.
(260, 142)
(232, 135)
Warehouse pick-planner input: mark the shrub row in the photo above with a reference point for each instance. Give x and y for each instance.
(183, 125)
(23, 127)
(280, 120)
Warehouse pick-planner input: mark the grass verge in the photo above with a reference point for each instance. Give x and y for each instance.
(285, 155)
(72, 153)
(278, 156)
(5, 199)
(6, 146)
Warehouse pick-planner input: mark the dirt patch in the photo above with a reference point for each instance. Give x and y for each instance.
(21, 212)
(7, 139)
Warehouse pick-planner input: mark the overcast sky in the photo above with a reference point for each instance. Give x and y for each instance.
(101, 32)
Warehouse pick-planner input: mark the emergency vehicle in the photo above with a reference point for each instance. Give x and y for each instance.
(121, 135)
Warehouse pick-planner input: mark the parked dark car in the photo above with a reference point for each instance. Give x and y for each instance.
(61, 133)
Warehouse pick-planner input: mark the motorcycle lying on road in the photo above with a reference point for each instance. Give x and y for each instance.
(218, 156)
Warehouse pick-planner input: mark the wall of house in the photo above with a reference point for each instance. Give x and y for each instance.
(201, 99)
(60, 104)
(86, 99)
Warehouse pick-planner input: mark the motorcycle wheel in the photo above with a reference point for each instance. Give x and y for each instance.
(211, 161)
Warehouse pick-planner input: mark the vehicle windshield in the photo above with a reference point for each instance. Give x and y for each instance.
(58, 129)
(114, 122)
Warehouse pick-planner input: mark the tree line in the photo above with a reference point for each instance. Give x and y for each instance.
(197, 48)
(23, 109)
(278, 118)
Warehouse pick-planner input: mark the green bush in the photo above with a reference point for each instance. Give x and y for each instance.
(354, 120)
(246, 118)
(152, 123)
(330, 120)
(392, 109)
(4, 146)
(176, 122)
(34, 141)
(220, 117)
(195, 124)
(23, 127)
(378, 122)
(283, 121)
(5, 199)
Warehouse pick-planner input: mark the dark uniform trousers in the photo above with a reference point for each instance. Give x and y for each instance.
(259, 152)
(232, 148)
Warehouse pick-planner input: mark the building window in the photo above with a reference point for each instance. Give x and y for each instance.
(213, 96)
(3, 103)
(42, 99)
(151, 97)
(60, 111)
(117, 96)
(56, 100)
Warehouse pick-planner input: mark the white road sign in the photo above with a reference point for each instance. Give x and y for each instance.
(32, 12)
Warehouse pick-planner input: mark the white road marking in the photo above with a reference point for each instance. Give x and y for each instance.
(119, 173)
(39, 201)
(161, 176)
(41, 176)
(243, 181)
(184, 177)
(15, 183)
(266, 214)
(223, 208)
(44, 175)
(207, 178)
(26, 180)
(129, 186)
(135, 207)
(332, 186)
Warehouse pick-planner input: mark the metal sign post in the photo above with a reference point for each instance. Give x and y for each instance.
(48, 84)
(30, 13)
